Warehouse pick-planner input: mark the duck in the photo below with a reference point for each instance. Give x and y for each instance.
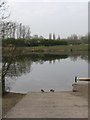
(52, 90)
(42, 90)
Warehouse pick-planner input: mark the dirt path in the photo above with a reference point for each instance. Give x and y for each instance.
(9, 100)
(50, 105)
(0, 107)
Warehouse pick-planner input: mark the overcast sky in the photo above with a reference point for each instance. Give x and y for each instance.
(61, 18)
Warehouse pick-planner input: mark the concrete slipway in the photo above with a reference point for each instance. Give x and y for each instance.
(50, 105)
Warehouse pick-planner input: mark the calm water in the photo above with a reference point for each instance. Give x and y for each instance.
(57, 72)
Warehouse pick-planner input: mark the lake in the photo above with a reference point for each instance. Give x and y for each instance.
(31, 73)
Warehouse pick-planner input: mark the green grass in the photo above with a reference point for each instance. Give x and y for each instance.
(66, 48)
(50, 49)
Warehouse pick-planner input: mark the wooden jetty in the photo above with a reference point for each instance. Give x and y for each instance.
(81, 79)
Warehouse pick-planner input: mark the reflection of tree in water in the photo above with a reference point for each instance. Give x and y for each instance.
(6, 65)
(74, 58)
(22, 64)
(19, 67)
(41, 58)
(83, 57)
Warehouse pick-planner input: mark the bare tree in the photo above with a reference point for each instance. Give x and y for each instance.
(3, 15)
(73, 37)
(23, 32)
(14, 30)
(20, 30)
(3, 9)
(7, 30)
(28, 32)
(6, 66)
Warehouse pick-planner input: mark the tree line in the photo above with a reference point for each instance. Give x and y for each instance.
(32, 42)
(20, 35)
(14, 30)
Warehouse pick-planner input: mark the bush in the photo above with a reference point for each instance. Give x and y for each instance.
(16, 42)
(32, 42)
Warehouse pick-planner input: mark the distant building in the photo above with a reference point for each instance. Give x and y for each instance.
(58, 37)
(50, 36)
(41, 37)
(35, 36)
(53, 36)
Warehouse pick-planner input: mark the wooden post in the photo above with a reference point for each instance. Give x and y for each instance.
(84, 79)
(75, 79)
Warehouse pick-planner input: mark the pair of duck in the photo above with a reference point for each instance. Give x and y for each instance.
(52, 90)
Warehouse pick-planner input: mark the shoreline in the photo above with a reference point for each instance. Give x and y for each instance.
(61, 49)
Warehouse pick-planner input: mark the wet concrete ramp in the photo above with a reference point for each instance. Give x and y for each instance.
(50, 105)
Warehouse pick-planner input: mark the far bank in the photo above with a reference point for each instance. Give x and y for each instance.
(61, 49)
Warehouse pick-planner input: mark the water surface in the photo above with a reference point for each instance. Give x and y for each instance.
(31, 73)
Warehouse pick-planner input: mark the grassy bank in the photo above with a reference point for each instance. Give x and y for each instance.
(51, 49)
(61, 48)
